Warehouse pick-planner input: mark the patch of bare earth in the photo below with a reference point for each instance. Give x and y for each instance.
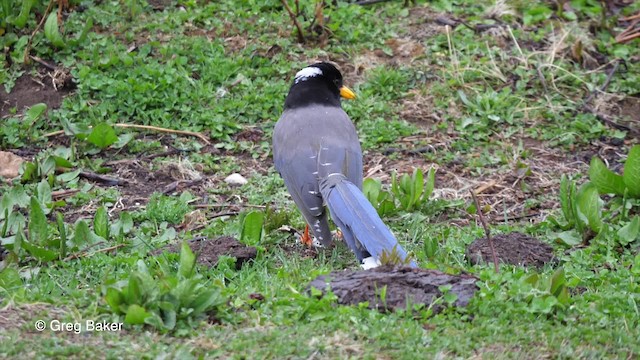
(47, 85)
(208, 251)
(513, 248)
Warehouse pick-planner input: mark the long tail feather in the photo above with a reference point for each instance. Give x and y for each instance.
(356, 217)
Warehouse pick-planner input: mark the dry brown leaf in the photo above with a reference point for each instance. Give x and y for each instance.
(9, 164)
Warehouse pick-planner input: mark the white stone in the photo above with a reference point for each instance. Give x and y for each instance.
(235, 179)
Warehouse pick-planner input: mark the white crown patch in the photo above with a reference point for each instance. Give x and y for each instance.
(306, 73)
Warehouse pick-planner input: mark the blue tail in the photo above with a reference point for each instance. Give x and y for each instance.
(362, 228)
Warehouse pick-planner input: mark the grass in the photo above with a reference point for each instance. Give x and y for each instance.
(501, 107)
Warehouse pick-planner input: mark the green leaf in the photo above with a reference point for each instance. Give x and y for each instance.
(51, 31)
(38, 227)
(629, 233)
(114, 298)
(39, 252)
(570, 238)
(21, 20)
(68, 176)
(566, 199)
(44, 193)
(604, 179)
(82, 235)
(10, 278)
(187, 260)
(136, 315)
(35, 112)
(418, 186)
(631, 174)
(101, 223)
(252, 228)
(102, 136)
(62, 162)
(589, 206)
(558, 281)
(206, 300)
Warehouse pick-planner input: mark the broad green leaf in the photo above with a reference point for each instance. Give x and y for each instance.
(565, 200)
(21, 20)
(51, 31)
(62, 162)
(82, 235)
(570, 238)
(133, 295)
(101, 223)
(102, 136)
(558, 281)
(252, 228)
(631, 173)
(629, 233)
(604, 179)
(418, 185)
(35, 112)
(136, 315)
(69, 176)
(589, 206)
(371, 190)
(10, 278)
(39, 252)
(38, 227)
(114, 298)
(44, 193)
(187, 260)
(206, 300)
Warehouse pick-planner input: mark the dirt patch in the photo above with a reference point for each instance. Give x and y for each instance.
(403, 286)
(422, 23)
(514, 248)
(45, 86)
(208, 251)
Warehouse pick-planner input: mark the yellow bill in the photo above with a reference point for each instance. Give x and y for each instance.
(346, 93)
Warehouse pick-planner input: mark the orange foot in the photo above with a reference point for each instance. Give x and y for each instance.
(305, 238)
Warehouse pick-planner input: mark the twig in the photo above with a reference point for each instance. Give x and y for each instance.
(145, 127)
(204, 206)
(61, 194)
(27, 48)
(155, 128)
(84, 253)
(108, 180)
(182, 183)
(230, 213)
(604, 86)
(43, 63)
(369, 2)
(295, 21)
(486, 231)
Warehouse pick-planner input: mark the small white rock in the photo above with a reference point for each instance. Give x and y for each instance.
(235, 179)
(370, 263)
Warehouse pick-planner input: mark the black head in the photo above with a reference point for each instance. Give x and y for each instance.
(319, 83)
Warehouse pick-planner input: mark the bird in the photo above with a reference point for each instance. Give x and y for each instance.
(317, 152)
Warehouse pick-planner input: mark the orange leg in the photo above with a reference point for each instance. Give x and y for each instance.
(305, 238)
